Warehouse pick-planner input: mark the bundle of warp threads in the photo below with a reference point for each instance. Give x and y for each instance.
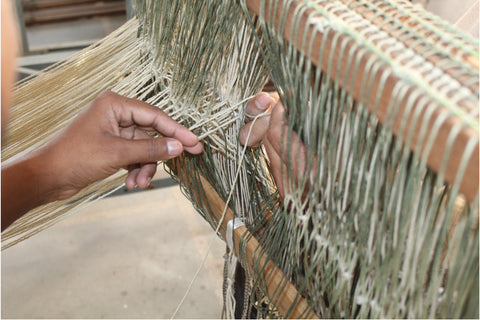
(210, 104)
(375, 229)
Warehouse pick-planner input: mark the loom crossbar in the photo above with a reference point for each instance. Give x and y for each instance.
(352, 83)
(279, 288)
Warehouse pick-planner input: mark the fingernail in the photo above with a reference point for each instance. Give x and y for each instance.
(174, 147)
(263, 102)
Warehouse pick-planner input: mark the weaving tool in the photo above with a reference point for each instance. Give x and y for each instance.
(385, 98)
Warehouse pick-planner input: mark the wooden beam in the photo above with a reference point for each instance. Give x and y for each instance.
(73, 12)
(354, 85)
(278, 288)
(43, 4)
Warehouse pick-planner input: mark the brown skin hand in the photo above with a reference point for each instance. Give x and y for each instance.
(106, 137)
(268, 128)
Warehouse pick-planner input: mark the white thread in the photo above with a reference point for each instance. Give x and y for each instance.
(230, 292)
(232, 267)
(219, 222)
(232, 225)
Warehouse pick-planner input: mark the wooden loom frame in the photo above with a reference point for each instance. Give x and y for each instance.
(288, 299)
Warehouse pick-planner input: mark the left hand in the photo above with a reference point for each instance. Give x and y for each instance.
(112, 134)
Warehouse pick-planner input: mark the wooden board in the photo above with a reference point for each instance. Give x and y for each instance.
(287, 300)
(354, 84)
(59, 13)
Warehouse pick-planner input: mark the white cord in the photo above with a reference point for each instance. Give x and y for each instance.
(221, 220)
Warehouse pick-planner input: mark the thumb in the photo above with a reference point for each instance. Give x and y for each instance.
(148, 150)
(253, 132)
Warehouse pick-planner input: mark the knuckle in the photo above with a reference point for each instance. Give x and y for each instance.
(107, 94)
(155, 150)
(106, 99)
(117, 154)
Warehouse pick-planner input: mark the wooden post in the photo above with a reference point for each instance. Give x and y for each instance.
(287, 298)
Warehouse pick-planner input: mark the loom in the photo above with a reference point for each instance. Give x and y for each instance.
(382, 223)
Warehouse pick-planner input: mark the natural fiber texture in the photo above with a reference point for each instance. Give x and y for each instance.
(210, 104)
(46, 102)
(370, 229)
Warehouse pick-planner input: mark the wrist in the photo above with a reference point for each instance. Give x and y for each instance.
(43, 178)
(26, 183)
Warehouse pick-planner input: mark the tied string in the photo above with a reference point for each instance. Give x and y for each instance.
(214, 235)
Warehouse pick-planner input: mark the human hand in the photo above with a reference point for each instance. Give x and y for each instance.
(112, 134)
(269, 128)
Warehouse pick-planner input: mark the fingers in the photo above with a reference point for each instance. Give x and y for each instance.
(145, 150)
(135, 112)
(196, 149)
(144, 154)
(294, 154)
(259, 104)
(287, 154)
(144, 177)
(140, 175)
(131, 179)
(276, 167)
(135, 146)
(276, 128)
(291, 147)
(254, 131)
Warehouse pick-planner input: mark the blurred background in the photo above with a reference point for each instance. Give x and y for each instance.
(134, 253)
